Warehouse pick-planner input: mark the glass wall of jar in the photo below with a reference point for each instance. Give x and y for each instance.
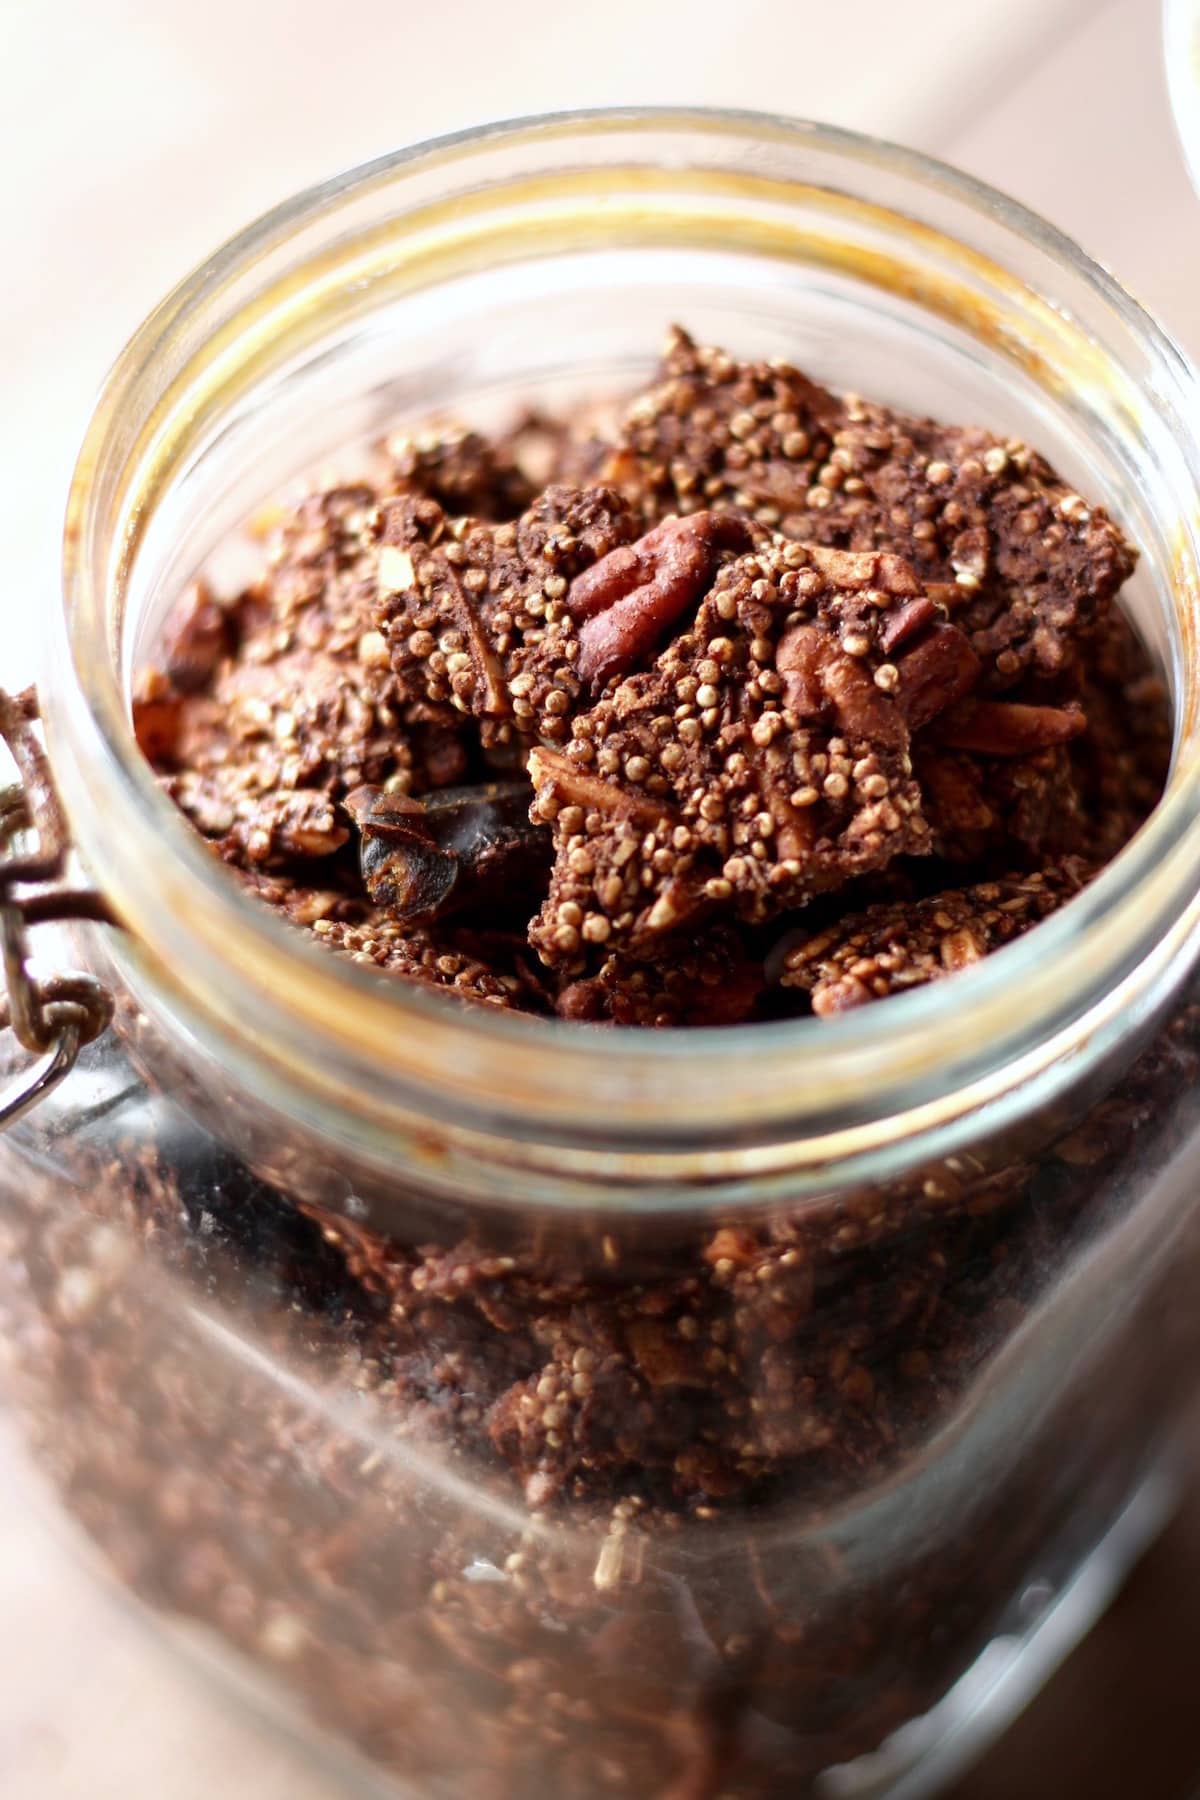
(556, 1411)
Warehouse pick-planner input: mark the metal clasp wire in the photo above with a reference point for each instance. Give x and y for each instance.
(53, 1018)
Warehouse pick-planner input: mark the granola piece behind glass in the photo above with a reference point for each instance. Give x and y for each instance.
(265, 713)
(487, 966)
(1120, 765)
(873, 954)
(301, 903)
(710, 979)
(762, 760)
(985, 809)
(424, 958)
(1029, 565)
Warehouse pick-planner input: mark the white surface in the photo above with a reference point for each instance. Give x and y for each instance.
(137, 133)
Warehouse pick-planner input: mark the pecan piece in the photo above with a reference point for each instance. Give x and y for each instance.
(1007, 728)
(627, 601)
(936, 672)
(888, 948)
(907, 622)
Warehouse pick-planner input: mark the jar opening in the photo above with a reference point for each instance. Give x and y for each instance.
(758, 218)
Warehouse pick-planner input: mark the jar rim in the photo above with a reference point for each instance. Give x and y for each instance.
(744, 1099)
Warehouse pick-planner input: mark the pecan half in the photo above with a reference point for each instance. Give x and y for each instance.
(627, 601)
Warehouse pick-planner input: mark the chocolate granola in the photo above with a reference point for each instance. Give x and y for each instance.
(763, 702)
(767, 642)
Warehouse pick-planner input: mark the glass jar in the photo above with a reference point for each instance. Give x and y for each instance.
(538, 1410)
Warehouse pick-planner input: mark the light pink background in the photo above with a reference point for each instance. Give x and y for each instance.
(138, 133)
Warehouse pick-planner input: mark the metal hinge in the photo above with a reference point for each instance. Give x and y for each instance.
(52, 1018)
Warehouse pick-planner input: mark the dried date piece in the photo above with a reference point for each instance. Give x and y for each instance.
(1029, 566)
(764, 758)
(261, 720)
(871, 955)
(458, 848)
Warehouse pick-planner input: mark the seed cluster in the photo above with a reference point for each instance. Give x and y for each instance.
(265, 712)
(1030, 565)
(888, 948)
(764, 758)
(379, 942)
(709, 980)
(475, 616)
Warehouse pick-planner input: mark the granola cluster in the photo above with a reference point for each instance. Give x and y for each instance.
(727, 660)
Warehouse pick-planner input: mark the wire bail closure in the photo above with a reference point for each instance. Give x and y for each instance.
(55, 1017)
